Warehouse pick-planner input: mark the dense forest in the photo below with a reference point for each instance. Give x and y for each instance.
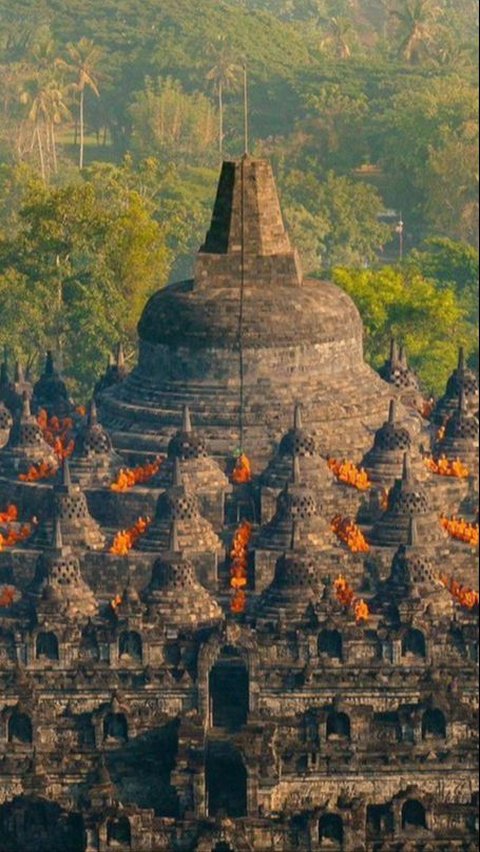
(115, 117)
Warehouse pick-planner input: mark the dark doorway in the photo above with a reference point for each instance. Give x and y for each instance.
(119, 832)
(330, 830)
(379, 820)
(433, 725)
(413, 815)
(226, 782)
(414, 643)
(40, 826)
(89, 648)
(130, 646)
(115, 727)
(20, 729)
(46, 647)
(229, 691)
(330, 643)
(338, 726)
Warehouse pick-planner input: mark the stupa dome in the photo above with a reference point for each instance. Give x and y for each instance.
(247, 318)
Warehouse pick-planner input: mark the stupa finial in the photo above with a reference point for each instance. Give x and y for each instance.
(174, 544)
(66, 477)
(57, 534)
(186, 420)
(92, 413)
(392, 412)
(49, 364)
(26, 410)
(177, 473)
(297, 417)
(120, 357)
(407, 468)
(413, 532)
(295, 470)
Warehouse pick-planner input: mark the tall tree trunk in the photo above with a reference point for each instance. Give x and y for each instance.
(220, 117)
(82, 126)
(54, 148)
(40, 152)
(75, 133)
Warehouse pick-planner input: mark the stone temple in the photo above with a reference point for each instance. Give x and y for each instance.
(301, 341)
(239, 593)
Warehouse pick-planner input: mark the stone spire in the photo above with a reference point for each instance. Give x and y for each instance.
(384, 461)
(12, 391)
(461, 438)
(178, 503)
(199, 471)
(298, 442)
(297, 504)
(116, 371)
(50, 392)
(413, 579)
(174, 596)
(296, 583)
(6, 422)
(461, 379)
(69, 505)
(94, 462)
(247, 213)
(407, 499)
(396, 371)
(58, 586)
(26, 445)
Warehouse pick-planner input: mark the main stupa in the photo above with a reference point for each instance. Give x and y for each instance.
(248, 327)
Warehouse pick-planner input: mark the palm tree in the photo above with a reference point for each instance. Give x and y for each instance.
(340, 32)
(83, 59)
(36, 98)
(58, 111)
(44, 98)
(415, 21)
(224, 74)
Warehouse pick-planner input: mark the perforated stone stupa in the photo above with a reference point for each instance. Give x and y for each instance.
(301, 341)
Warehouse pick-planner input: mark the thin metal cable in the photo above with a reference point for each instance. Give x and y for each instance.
(241, 309)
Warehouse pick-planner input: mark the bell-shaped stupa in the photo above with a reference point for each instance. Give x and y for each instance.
(247, 338)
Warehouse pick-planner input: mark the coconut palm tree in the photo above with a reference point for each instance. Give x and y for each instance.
(224, 74)
(416, 27)
(58, 112)
(45, 99)
(35, 97)
(82, 62)
(339, 37)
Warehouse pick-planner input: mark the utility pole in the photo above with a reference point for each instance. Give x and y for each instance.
(400, 231)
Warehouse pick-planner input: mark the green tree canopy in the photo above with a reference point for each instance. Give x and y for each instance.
(423, 315)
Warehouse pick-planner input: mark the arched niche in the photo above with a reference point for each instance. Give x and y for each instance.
(338, 726)
(330, 831)
(115, 728)
(225, 781)
(413, 644)
(413, 815)
(38, 825)
(19, 729)
(46, 647)
(434, 725)
(229, 690)
(379, 820)
(330, 644)
(89, 649)
(130, 646)
(389, 726)
(119, 833)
